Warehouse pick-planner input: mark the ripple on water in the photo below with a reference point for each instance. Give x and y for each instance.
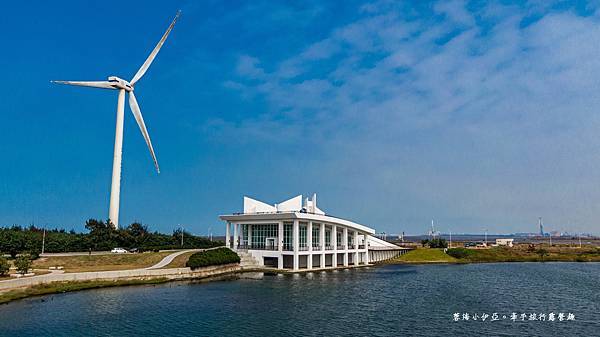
(404, 300)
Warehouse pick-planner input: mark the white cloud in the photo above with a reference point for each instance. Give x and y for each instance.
(495, 124)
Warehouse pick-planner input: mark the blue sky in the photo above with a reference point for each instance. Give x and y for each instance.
(478, 114)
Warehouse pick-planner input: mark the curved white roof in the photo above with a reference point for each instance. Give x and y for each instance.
(280, 216)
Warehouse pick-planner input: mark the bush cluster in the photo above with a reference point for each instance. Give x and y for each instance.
(459, 253)
(23, 263)
(4, 266)
(100, 236)
(212, 257)
(435, 243)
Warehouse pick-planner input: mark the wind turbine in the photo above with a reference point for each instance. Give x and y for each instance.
(116, 83)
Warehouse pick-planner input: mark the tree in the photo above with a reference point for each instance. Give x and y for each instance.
(137, 229)
(438, 243)
(542, 252)
(23, 263)
(4, 266)
(424, 242)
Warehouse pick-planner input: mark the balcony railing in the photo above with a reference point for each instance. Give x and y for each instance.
(328, 247)
(351, 246)
(258, 247)
(303, 248)
(316, 247)
(340, 247)
(361, 246)
(288, 248)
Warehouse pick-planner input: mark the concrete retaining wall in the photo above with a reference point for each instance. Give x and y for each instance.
(169, 273)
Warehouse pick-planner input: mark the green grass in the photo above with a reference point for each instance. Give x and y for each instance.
(520, 253)
(82, 263)
(425, 255)
(62, 287)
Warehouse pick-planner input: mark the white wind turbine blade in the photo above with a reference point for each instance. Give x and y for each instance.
(94, 84)
(152, 55)
(135, 109)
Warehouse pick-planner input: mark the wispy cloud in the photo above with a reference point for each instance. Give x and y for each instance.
(475, 115)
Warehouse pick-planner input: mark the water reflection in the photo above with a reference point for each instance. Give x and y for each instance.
(382, 301)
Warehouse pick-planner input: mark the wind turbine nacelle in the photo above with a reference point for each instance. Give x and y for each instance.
(120, 83)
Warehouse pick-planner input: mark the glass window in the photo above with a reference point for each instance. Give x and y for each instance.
(260, 233)
(244, 234)
(316, 234)
(288, 228)
(302, 234)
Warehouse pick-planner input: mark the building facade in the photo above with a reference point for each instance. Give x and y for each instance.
(296, 234)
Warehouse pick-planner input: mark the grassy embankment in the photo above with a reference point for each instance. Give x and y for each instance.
(62, 287)
(518, 253)
(425, 255)
(110, 262)
(213, 257)
(86, 263)
(522, 253)
(180, 261)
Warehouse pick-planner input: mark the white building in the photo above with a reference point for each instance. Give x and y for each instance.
(505, 242)
(296, 234)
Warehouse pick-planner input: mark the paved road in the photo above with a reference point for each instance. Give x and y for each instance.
(59, 275)
(169, 258)
(104, 252)
(75, 254)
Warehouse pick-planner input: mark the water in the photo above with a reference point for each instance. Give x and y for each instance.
(383, 301)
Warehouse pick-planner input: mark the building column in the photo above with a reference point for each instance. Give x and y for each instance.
(356, 252)
(309, 237)
(295, 240)
(366, 248)
(310, 246)
(280, 244)
(322, 243)
(334, 244)
(345, 243)
(236, 228)
(227, 235)
(249, 239)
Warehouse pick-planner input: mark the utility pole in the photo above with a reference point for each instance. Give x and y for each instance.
(450, 245)
(579, 240)
(44, 240)
(181, 228)
(486, 237)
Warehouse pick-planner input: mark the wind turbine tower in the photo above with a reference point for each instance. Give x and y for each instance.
(123, 86)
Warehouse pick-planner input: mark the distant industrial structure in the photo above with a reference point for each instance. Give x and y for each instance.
(541, 226)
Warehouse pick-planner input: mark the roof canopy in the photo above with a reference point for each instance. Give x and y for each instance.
(295, 204)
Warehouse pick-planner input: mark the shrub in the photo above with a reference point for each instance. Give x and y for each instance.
(459, 253)
(212, 257)
(4, 266)
(23, 263)
(438, 243)
(542, 252)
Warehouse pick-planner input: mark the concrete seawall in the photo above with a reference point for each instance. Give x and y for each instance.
(141, 274)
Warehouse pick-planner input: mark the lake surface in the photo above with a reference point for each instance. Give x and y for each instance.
(402, 300)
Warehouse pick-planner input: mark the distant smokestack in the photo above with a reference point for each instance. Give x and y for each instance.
(541, 225)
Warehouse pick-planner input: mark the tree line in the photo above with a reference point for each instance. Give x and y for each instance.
(101, 235)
